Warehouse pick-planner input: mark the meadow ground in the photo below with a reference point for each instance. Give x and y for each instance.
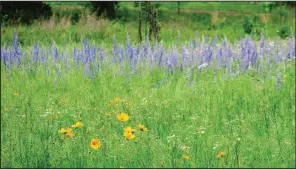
(216, 109)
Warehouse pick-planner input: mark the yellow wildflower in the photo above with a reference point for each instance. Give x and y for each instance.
(220, 154)
(129, 130)
(70, 134)
(64, 131)
(142, 127)
(5, 109)
(77, 125)
(95, 144)
(122, 117)
(116, 99)
(129, 136)
(16, 94)
(185, 157)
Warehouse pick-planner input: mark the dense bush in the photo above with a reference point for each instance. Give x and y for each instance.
(24, 12)
(247, 25)
(75, 16)
(284, 31)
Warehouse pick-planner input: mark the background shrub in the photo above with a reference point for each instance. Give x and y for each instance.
(22, 11)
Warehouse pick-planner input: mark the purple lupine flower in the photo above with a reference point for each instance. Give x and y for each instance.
(146, 48)
(137, 54)
(179, 39)
(4, 55)
(209, 55)
(129, 51)
(79, 57)
(172, 58)
(278, 80)
(102, 55)
(92, 53)
(291, 48)
(161, 54)
(56, 54)
(185, 58)
(262, 45)
(86, 51)
(133, 61)
(121, 57)
(43, 56)
(17, 51)
(35, 53)
(220, 57)
(254, 56)
(115, 52)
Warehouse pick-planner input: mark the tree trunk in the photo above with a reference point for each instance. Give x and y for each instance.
(178, 7)
(140, 23)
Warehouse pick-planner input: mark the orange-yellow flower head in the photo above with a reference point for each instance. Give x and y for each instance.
(95, 144)
(64, 131)
(185, 157)
(129, 130)
(70, 134)
(142, 127)
(116, 99)
(220, 154)
(129, 136)
(77, 125)
(5, 109)
(122, 117)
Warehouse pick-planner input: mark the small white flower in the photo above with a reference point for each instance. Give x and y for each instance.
(43, 115)
(202, 65)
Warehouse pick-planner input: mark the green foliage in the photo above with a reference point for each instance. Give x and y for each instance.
(24, 12)
(126, 22)
(284, 31)
(284, 13)
(75, 16)
(247, 25)
(202, 18)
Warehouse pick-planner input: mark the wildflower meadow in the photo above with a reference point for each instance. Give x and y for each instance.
(198, 101)
(203, 103)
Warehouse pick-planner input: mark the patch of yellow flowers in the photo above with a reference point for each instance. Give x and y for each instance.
(123, 117)
(68, 131)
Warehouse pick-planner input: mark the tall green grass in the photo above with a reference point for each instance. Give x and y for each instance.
(245, 117)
